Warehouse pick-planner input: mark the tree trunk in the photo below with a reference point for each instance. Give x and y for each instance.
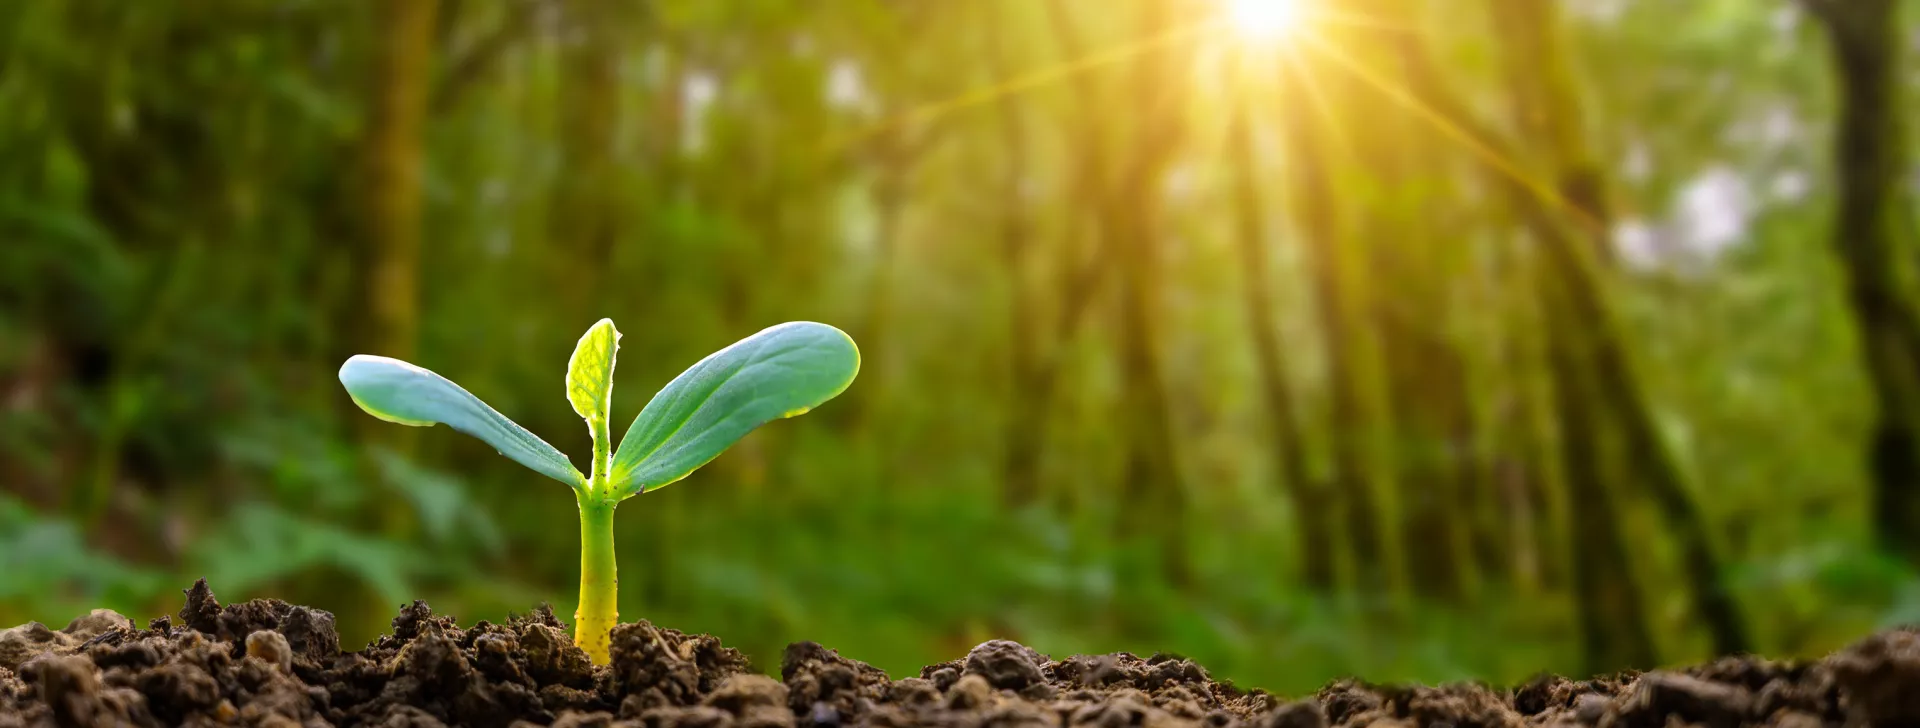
(1076, 275)
(1347, 335)
(892, 164)
(1873, 237)
(1524, 467)
(1425, 382)
(1152, 496)
(392, 199)
(1424, 373)
(1546, 88)
(1030, 386)
(1597, 444)
(393, 191)
(1311, 502)
(1610, 607)
(584, 217)
(1527, 476)
(1152, 491)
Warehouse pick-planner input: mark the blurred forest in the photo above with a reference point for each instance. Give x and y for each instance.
(1408, 339)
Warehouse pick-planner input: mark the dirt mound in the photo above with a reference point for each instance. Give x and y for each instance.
(269, 663)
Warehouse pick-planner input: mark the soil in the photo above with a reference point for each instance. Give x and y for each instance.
(269, 663)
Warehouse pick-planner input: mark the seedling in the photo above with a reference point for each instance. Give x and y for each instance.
(780, 372)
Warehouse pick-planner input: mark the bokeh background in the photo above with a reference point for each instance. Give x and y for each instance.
(1408, 339)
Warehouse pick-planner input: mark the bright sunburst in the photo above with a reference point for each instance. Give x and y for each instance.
(1264, 18)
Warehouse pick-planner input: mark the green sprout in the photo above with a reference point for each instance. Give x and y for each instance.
(780, 372)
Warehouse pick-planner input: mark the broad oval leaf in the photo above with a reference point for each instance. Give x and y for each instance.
(396, 391)
(782, 371)
(590, 373)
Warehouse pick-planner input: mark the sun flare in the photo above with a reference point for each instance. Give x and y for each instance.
(1264, 19)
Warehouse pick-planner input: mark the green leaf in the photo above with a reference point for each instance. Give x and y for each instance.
(782, 371)
(590, 389)
(590, 373)
(396, 391)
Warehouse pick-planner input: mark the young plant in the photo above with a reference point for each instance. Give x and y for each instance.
(780, 372)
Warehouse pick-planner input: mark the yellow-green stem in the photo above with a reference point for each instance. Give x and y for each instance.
(599, 586)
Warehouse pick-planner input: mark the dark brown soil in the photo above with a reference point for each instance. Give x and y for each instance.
(268, 663)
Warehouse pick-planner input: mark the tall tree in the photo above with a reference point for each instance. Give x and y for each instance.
(1591, 356)
(1611, 603)
(1874, 236)
(1132, 225)
(1609, 443)
(1076, 266)
(1526, 472)
(891, 156)
(392, 193)
(1423, 375)
(1315, 142)
(1030, 390)
(392, 202)
(1309, 495)
(584, 215)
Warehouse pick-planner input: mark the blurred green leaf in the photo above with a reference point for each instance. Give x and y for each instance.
(261, 543)
(43, 556)
(443, 502)
(299, 460)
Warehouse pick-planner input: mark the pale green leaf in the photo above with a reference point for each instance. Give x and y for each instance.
(396, 391)
(780, 372)
(590, 373)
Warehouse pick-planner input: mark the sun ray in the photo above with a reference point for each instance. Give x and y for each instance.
(1317, 96)
(1024, 82)
(1481, 148)
(1319, 13)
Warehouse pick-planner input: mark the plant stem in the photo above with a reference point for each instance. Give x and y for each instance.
(599, 587)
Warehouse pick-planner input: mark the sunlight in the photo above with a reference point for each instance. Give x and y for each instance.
(1264, 19)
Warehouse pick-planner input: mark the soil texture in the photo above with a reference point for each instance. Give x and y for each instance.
(268, 663)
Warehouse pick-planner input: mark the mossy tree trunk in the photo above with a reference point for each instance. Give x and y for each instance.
(1609, 600)
(1523, 465)
(1874, 237)
(1030, 385)
(391, 202)
(1075, 271)
(1309, 495)
(585, 211)
(1596, 384)
(891, 156)
(1424, 369)
(1132, 226)
(394, 156)
(1351, 352)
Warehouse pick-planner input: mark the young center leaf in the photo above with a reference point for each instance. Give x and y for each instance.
(782, 371)
(590, 386)
(396, 391)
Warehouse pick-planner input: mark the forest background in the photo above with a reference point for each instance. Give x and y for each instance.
(1407, 339)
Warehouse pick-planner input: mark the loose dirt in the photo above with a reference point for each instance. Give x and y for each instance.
(269, 663)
